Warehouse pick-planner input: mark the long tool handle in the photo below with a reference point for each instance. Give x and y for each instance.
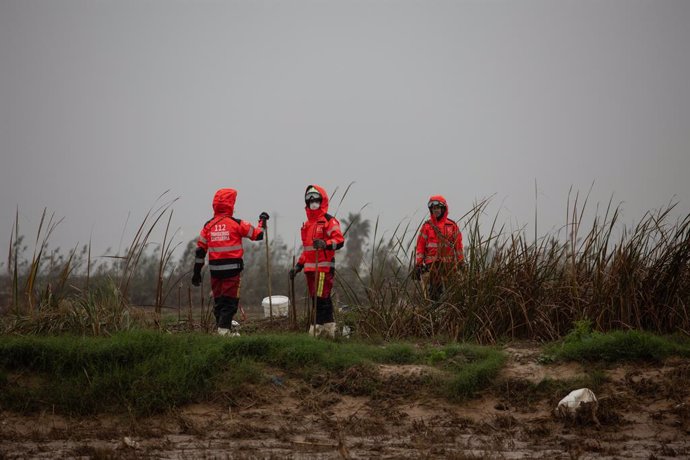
(316, 287)
(268, 270)
(293, 305)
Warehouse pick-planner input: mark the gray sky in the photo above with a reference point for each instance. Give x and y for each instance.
(105, 104)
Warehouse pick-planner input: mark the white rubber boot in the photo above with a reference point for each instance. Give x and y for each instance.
(223, 332)
(318, 331)
(329, 330)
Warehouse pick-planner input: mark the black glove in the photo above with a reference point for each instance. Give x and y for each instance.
(263, 217)
(319, 244)
(196, 279)
(295, 270)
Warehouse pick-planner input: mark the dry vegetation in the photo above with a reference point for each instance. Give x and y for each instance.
(513, 286)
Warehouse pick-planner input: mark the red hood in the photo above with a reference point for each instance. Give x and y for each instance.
(224, 201)
(313, 215)
(445, 214)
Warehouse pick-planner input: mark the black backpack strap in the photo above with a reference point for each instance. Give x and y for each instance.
(211, 220)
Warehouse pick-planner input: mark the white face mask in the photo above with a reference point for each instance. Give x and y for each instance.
(314, 205)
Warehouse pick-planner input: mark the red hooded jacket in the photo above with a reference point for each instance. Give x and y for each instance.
(222, 236)
(323, 226)
(439, 239)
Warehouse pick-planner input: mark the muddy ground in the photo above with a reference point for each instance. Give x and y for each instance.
(644, 412)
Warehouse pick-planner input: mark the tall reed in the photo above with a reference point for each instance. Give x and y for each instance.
(511, 286)
(514, 286)
(54, 302)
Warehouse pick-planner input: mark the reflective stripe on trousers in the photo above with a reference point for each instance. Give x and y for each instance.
(321, 265)
(224, 267)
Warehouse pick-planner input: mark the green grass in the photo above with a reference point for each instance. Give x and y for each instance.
(617, 346)
(474, 368)
(300, 353)
(146, 372)
(141, 371)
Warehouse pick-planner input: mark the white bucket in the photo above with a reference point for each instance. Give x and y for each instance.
(280, 305)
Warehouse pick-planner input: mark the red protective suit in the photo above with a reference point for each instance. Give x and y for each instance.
(222, 236)
(221, 239)
(440, 239)
(320, 225)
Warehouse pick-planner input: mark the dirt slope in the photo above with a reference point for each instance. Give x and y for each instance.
(644, 413)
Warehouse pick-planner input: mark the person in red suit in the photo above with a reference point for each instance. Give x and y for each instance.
(221, 238)
(321, 237)
(439, 247)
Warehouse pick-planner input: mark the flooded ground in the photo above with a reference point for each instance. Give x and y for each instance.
(644, 412)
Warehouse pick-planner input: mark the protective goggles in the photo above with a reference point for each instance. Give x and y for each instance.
(434, 203)
(312, 196)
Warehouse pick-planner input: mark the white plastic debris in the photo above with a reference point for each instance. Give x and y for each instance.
(569, 404)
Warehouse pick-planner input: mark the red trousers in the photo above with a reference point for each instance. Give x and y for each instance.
(320, 283)
(226, 287)
(226, 296)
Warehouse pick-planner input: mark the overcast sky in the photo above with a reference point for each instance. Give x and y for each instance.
(105, 104)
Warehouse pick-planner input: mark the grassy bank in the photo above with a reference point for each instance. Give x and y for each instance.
(617, 346)
(145, 372)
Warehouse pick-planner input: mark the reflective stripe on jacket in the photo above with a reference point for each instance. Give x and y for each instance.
(439, 240)
(322, 226)
(221, 237)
